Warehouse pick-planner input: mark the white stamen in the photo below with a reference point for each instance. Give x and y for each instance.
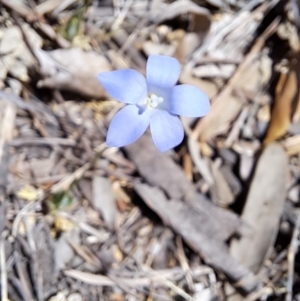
(153, 100)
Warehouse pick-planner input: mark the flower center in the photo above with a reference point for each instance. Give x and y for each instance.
(153, 100)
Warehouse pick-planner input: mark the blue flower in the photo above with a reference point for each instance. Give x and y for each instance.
(154, 101)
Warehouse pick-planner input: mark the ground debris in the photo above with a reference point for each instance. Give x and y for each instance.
(217, 218)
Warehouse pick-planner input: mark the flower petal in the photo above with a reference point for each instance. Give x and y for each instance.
(162, 71)
(128, 125)
(125, 85)
(188, 101)
(166, 129)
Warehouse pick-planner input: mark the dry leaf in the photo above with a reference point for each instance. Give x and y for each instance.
(263, 208)
(63, 224)
(72, 70)
(29, 193)
(286, 94)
